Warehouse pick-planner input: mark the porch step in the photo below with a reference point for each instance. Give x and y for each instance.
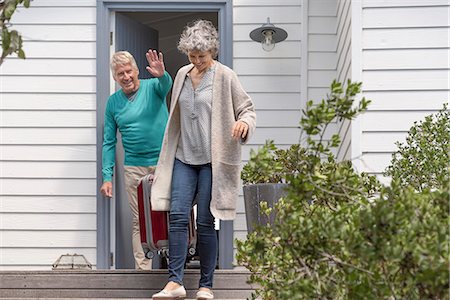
(104, 284)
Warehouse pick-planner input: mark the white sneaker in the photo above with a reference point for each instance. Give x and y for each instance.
(176, 294)
(204, 295)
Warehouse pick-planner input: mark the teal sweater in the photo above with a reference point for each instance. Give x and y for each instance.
(141, 123)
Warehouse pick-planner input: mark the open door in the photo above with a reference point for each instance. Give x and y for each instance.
(135, 38)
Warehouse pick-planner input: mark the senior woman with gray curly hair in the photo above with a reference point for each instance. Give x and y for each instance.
(210, 117)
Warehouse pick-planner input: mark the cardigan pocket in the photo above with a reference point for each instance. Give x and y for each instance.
(226, 183)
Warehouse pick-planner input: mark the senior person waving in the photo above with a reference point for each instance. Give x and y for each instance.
(210, 117)
(139, 112)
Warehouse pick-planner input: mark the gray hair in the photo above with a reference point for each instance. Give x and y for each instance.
(200, 35)
(121, 58)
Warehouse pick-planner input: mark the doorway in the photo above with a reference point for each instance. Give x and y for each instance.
(137, 27)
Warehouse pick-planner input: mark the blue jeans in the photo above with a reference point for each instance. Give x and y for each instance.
(187, 182)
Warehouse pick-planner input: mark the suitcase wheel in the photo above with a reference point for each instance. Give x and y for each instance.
(149, 254)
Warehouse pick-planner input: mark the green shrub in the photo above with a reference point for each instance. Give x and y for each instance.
(341, 235)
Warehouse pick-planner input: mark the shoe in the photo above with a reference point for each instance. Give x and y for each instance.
(176, 294)
(204, 295)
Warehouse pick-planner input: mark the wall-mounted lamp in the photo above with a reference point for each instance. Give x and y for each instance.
(268, 35)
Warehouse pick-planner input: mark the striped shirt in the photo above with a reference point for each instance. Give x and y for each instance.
(194, 146)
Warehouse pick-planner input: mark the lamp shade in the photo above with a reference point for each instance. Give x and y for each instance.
(278, 34)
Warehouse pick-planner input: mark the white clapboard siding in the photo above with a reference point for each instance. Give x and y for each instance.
(250, 49)
(49, 153)
(405, 70)
(50, 186)
(23, 257)
(56, 101)
(48, 137)
(48, 169)
(287, 101)
(272, 79)
(48, 204)
(343, 70)
(43, 221)
(47, 84)
(405, 38)
(405, 59)
(407, 100)
(60, 67)
(48, 238)
(33, 118)
(58, 49)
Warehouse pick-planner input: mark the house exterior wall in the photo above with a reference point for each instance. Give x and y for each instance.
(47, 139)
(271, 78)
(405, 69)
(343, 70)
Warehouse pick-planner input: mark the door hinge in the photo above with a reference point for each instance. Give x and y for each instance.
(111, 38)
(111, 259)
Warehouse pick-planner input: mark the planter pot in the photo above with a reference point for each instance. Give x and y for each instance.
(256, 193)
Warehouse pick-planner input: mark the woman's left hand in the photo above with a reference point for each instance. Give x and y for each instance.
(155, 63)
(240, 130)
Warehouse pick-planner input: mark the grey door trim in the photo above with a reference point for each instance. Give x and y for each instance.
(104, 8)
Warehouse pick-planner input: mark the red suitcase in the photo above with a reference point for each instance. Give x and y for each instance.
(154, 225)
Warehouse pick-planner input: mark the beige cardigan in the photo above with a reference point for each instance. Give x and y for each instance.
(230, 103)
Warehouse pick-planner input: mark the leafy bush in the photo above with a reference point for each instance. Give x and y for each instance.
(423, 161)
(341, 235)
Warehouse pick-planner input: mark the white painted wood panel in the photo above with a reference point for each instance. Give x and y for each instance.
(13, 118)
(322, 25)
(287, 136)
(48, 136)
(43, 187)
(47, 239)
(49, 174)
(321, 78)
(45, 221)
(48, 101)
(47, 169)
(252, 49)
(57, 49)
(376, 162)
(67, 3)
(381, 141)
(405, 38)
(406, 80)
(406, 59)
(47, 84)
(69, 33)
(241, 32)
(54, 15)
(276, 100)
(279, 15)
(403, 3)
(49, 204)
(48, 153)
(49, 66)
(265, 66)
(278, 118)
(322, 8)
(410, 17)
(322, 60)
(322, 43)
(407, 100)
(271, 84)
(25, 257)
(391, 120)
(237, 3)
